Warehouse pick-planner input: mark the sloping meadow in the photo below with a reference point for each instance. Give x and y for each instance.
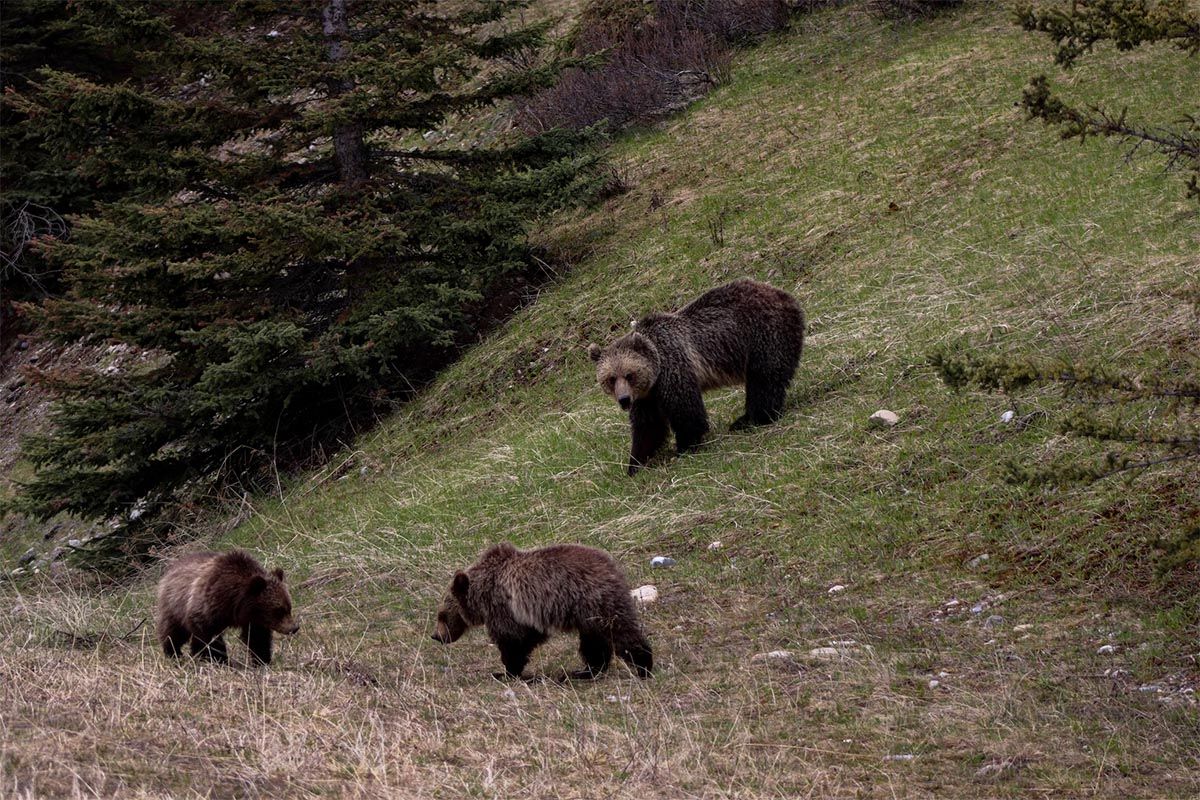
(987, 641)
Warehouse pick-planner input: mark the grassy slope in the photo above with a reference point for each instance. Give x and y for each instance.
(996, 240)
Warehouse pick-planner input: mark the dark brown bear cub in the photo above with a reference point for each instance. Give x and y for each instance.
(745, 332)
(202, 594)
(523, 596)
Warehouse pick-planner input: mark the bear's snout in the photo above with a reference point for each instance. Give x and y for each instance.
(625, 402)
(289, 627)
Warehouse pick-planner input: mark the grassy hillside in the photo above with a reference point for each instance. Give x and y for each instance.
(883, 175)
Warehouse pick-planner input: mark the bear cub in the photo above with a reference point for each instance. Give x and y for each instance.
(745, 332)
(523, 596)
(202, 594)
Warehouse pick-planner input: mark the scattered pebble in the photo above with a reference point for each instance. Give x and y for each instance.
(837, 588)
(883, 419)
(943, 674)
(662, 561)
(933, 684)
(1106, 650)
(900, 757)
(994, 621)
(75, 544)
(715, 545)
(977, 608)
(509, 694)
(839, 653)
(774, 655)
(1007, 416)
(644, 595)
(27, 556)
(1022, 627)
(978, 560)
(612, 698)
(953, 603)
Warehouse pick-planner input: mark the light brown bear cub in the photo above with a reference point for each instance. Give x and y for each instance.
(745, 332)
(202, 594)
(523, 596)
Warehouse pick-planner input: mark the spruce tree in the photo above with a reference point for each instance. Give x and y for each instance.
(1133, 420)
(292, 244)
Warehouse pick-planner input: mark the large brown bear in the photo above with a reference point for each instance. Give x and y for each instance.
(522, 596)
(745, 332)
(202, 594)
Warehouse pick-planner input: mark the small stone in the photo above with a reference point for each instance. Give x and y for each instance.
(883, 419)
(74, 544)
(1025, 626)
(837, 588)
(644, 595)
(1106, 650)
(27, 556)
(943, 674)
(715, 545)
(662, 561)
(1007, 416)
(933, 684)
(774, 655)
(978, 560)
(900, 757)
(977, 608)
(952, 603)
(994, 621)
(838, 653)
(509, 694)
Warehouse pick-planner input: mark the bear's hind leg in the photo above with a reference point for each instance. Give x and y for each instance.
(765, 395)
(172, 636)
(212, 650)
(596, 652)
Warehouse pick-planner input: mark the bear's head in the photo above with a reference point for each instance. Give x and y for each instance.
(627, 369)
(454, 616)
(268, 603)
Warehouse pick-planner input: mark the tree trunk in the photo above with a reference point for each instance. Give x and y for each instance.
(349, 152)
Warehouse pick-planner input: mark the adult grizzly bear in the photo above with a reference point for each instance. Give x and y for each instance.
(202, 594)
(524, 595)
(745, 332)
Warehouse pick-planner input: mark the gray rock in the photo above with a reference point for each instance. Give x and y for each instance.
(27, 556)
(994, 621)
(978, 560)
(662, 561)
(75, 543)
(1106, 650)
(883, 419)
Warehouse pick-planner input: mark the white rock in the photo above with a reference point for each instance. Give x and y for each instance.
(644, 595)
(978, 560)
(900, 757)
(1025, 626)
(1106, 650)
(838, 653)
(933, 684)
(715, 545)
(1007, 416)
(952, 603)
(883, 419)
(662, 561)
(774, 655)
(943, 674)
(509, 694)
(837, 588)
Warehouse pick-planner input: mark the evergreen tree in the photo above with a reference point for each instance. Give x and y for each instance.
(1127, 24)
(288, 247)
(1134, 420)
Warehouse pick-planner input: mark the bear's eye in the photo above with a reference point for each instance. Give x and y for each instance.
(610, 382)
(629, 377)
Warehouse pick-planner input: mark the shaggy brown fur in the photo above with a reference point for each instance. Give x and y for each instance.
(202, 594)
(745, 332)
(523, 596)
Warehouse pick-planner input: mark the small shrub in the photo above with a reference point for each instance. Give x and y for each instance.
(912, 9)
(656, 59)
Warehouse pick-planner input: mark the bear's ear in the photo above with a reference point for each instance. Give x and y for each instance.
(594, 351)
(257, 584)
(460, 586)
(278, 573)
